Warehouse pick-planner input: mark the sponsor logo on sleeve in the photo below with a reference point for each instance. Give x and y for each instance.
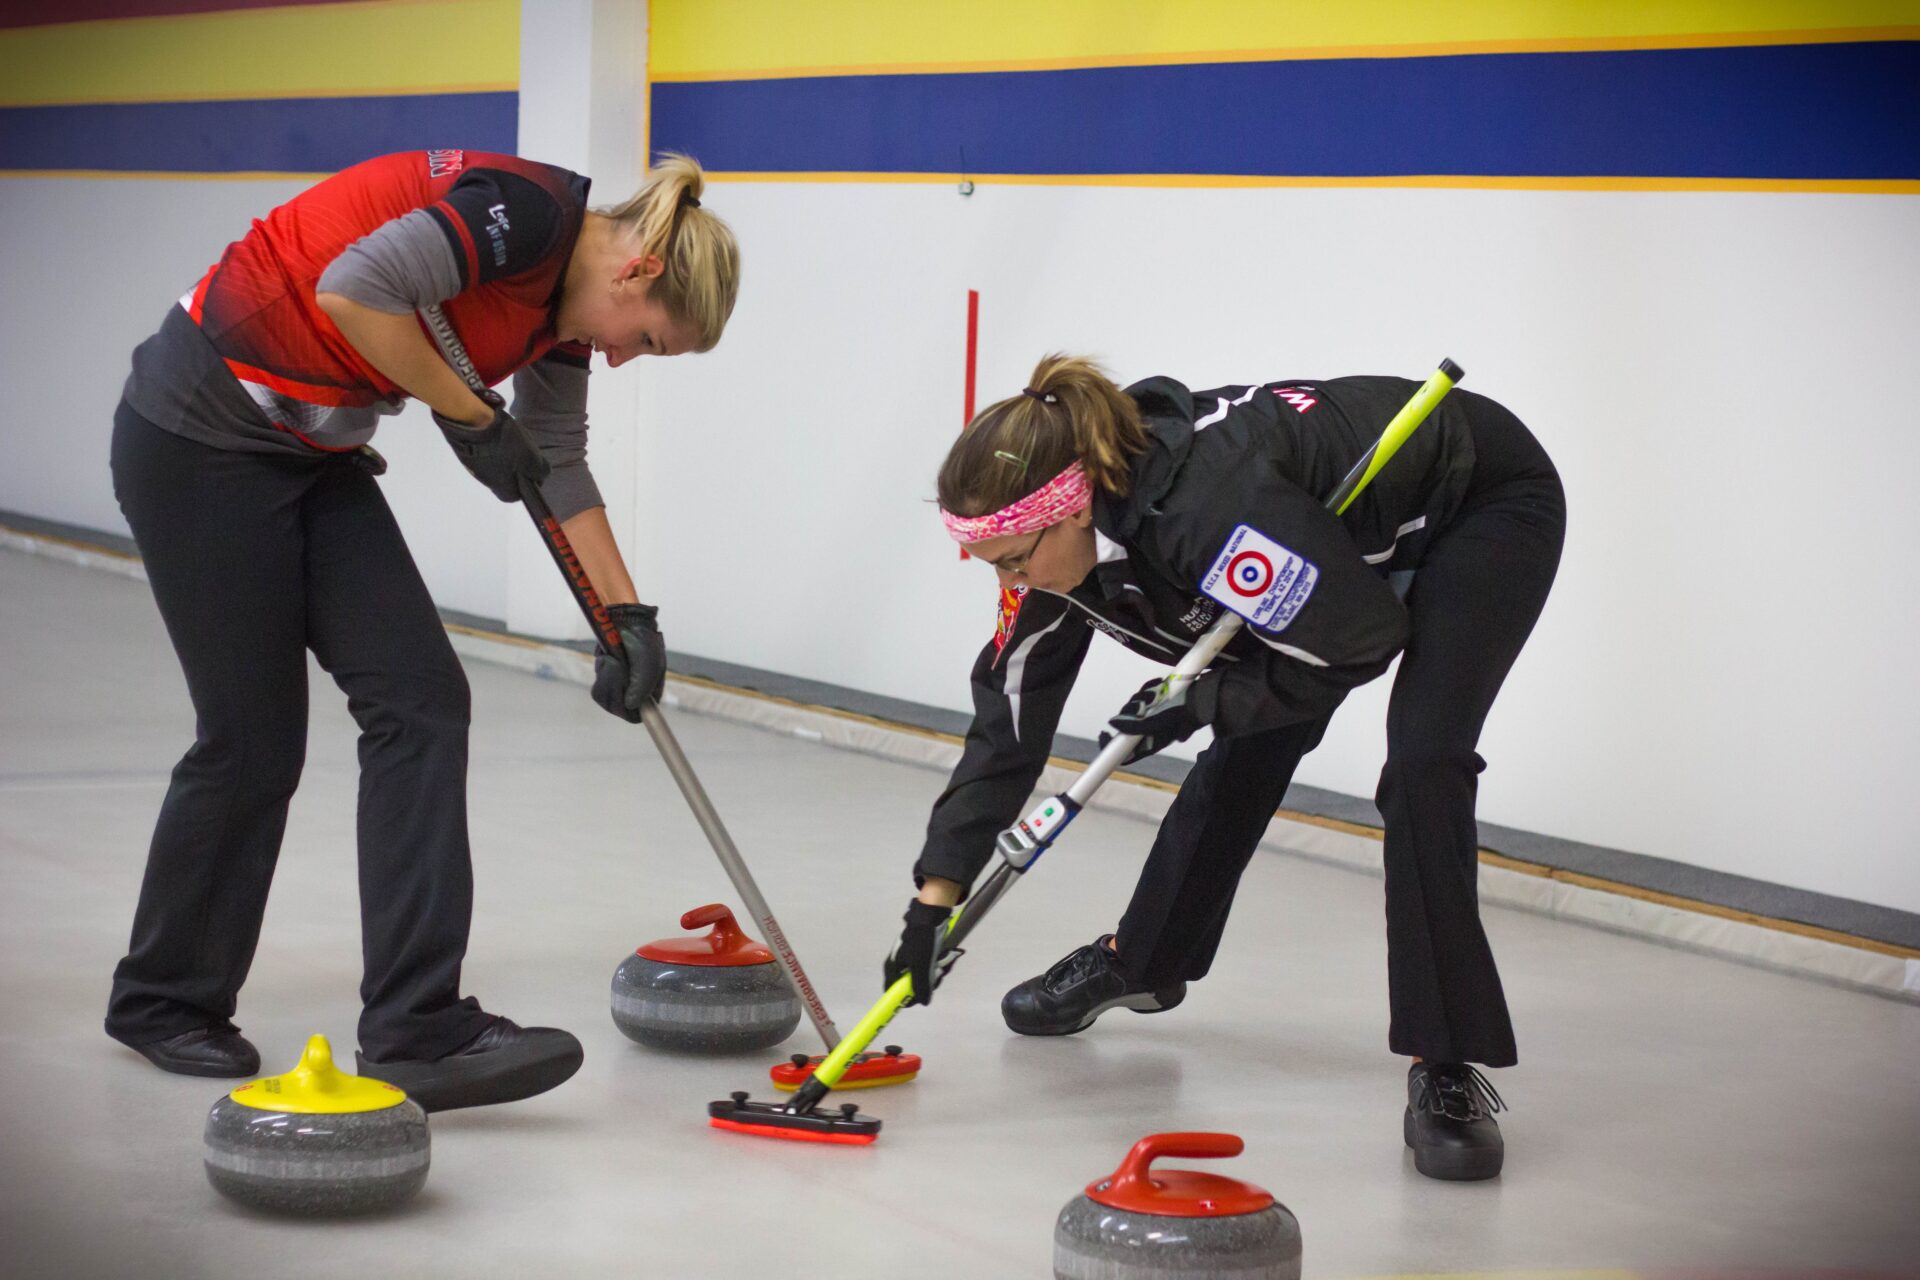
(1297, 397)
(444, 164)
(1260, 580)
(497, 230)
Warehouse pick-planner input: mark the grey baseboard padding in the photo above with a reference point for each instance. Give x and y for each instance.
(114, 543)
(1638, 870)
(1886, 926)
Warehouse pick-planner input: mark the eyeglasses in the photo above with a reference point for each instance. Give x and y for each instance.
(1021, 563)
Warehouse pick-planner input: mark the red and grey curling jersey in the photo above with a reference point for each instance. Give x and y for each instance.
(1224, 512)
(249, 361)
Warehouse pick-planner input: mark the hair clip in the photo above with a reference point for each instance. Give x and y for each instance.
(1013, 458)
(1046, 397)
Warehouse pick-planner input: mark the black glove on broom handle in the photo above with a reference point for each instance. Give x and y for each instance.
(554, 538)
(1111, 757)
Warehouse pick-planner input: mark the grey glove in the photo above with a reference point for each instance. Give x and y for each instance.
(500, 454)
(625, 682)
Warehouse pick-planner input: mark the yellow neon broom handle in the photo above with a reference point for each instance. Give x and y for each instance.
(1411, 415)
(864, 1032)
(868, 1029)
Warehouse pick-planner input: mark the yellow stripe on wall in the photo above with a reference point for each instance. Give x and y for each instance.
(372, 48)
(746, 39)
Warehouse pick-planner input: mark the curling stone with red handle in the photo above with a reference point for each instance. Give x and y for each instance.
(720, 992)
(1175, 1224)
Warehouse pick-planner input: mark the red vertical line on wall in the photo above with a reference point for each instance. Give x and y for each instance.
(973, 351)
(973, 346)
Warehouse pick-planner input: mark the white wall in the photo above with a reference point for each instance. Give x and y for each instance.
(1721, 676)
(88, 268)
(583, 106)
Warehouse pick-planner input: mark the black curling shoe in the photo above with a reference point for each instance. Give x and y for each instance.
(1071, 995)
(505, 1063)
(218, 1050)
(1449, 1122)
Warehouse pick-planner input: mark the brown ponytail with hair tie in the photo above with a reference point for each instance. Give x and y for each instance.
(1090, 421)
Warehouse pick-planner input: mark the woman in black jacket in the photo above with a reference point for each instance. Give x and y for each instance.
(1143, 514)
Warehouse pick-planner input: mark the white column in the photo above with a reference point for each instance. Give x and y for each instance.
(583, 80)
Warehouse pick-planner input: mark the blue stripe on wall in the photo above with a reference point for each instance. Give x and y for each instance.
(286, 135)
(1835, 111)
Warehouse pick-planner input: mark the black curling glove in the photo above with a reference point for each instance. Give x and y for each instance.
(919, 944)
(498, 454)
(1162, 719)
(623, 683)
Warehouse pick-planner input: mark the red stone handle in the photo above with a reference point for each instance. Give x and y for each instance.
(726, 934)
(1194, 1146)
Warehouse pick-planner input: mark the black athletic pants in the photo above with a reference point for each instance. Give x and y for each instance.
(254, 559)
(1472, 605)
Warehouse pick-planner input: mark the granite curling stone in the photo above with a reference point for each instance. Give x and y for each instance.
(720, 992)
(1177, 1224)
(317, 1142)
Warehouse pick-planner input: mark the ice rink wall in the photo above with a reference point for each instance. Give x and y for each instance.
(1681, 241)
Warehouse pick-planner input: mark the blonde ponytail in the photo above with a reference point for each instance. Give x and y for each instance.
(701, 276)
(1071, 411)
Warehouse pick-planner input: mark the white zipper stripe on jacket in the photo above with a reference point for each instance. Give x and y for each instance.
(1017, 670)
(1411, 526)
(1184, 643)
(1104, 621)
(1311, 659)
(1225, 404)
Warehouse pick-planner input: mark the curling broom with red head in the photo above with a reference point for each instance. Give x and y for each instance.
(863, 1069)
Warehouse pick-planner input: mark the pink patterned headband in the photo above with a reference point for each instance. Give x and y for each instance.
(1052, 502)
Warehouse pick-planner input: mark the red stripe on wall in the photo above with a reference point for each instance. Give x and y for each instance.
(38, 13)
(973, 349)
(973, 352)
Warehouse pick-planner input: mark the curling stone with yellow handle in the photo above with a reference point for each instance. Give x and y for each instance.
(317, 1141)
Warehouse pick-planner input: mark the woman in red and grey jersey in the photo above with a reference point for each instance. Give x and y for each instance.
(240, 460)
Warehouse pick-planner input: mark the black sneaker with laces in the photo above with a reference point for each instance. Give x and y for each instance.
(1449, 1122)
(1073, 993)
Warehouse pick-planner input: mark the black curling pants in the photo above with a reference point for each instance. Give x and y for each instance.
(255, 559)
(1473, 602)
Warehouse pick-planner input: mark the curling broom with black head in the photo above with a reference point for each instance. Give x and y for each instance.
(802, 1117)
